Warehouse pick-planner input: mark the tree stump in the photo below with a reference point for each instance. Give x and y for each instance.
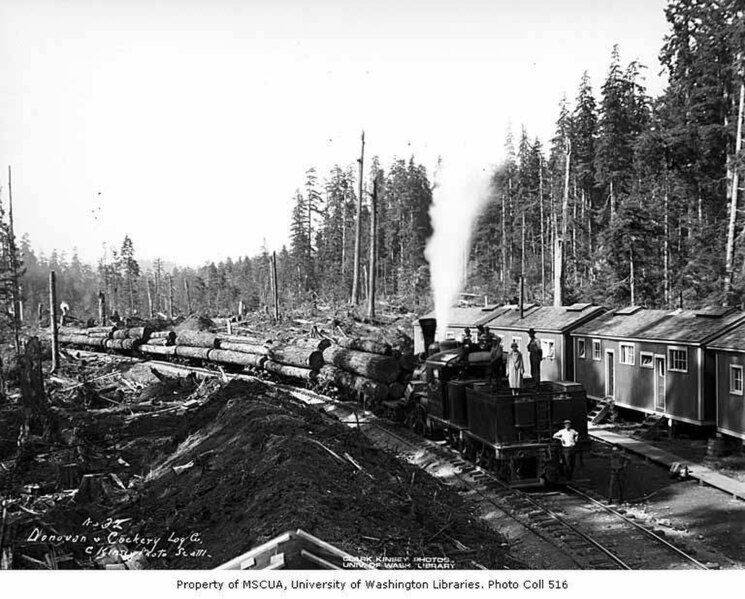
(33, 398)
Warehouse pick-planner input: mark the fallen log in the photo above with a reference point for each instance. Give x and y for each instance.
(246, 348)
(366, 345)
(169, 335)
(196, 353)
(297, 356)
(293, 372)
(198, 339)
(119, 334)
(382, 369)
(311, 343)
(161, 350)
(351, 382)
(234, 357)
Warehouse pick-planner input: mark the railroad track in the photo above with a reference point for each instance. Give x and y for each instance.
(593, 535)
(589, 533)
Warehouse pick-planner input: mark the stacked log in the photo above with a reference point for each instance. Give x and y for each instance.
(408, 362)
(396, 390)
(292, 355)
(169, 336)
(81, 339)
(369, 346)
(142, 333)
(195, 353)
(312, 343)
(123, 344)
(198, 339)
(379, 368)
(351, 382)
(139, 333)
(246, 348)
(100, 331)
(162, 341)
(238, 358)
(159, 350)
(293, 372)
(242, 339)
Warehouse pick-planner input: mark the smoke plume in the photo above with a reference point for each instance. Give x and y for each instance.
(460, 192)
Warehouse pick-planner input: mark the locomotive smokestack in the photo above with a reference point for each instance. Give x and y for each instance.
(429, 326)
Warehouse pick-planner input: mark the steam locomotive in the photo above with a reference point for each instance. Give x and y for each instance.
(512, 435)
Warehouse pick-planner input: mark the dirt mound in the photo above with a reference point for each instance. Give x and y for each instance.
(195, 322)
(257, 465)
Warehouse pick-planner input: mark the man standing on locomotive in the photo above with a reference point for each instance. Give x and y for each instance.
(569, 438)
(515, 369)
(496, 360)
(536, 355)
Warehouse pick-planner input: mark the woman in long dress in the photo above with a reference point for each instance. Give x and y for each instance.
(515, 369)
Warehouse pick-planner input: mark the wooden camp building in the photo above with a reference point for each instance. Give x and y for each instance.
(552, 326)
(654, 361)
(729, 357)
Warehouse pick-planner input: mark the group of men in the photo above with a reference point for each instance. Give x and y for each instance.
(510, 365)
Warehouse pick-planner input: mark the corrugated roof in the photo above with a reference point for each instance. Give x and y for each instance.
(733, 339)
(679, 326)
(546, 318)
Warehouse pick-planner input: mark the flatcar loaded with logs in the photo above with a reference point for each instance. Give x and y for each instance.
(458, 399)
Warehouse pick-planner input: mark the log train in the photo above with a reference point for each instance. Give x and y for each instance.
(449, 396)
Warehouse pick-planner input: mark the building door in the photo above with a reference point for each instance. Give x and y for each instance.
(659, 383)
(610, 374)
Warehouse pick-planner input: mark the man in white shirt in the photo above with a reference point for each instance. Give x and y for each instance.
(569, 438)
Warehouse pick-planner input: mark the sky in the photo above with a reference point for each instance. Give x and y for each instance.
(189, 124)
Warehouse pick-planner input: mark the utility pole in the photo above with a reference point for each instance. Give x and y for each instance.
(53, 319)
(358, 232)
(373, 251)
(14, 266)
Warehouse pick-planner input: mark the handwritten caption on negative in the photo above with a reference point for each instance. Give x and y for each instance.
(110, 537)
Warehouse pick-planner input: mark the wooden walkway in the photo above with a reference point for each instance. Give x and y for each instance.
(704, 475)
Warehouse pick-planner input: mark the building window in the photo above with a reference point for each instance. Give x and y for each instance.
(735, 380)
(645, 360)
(677, 360)
(581, 348)
(627, 354)
(596, 350)
(547, 346)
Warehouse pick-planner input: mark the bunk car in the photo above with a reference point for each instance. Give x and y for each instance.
(511, 435)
